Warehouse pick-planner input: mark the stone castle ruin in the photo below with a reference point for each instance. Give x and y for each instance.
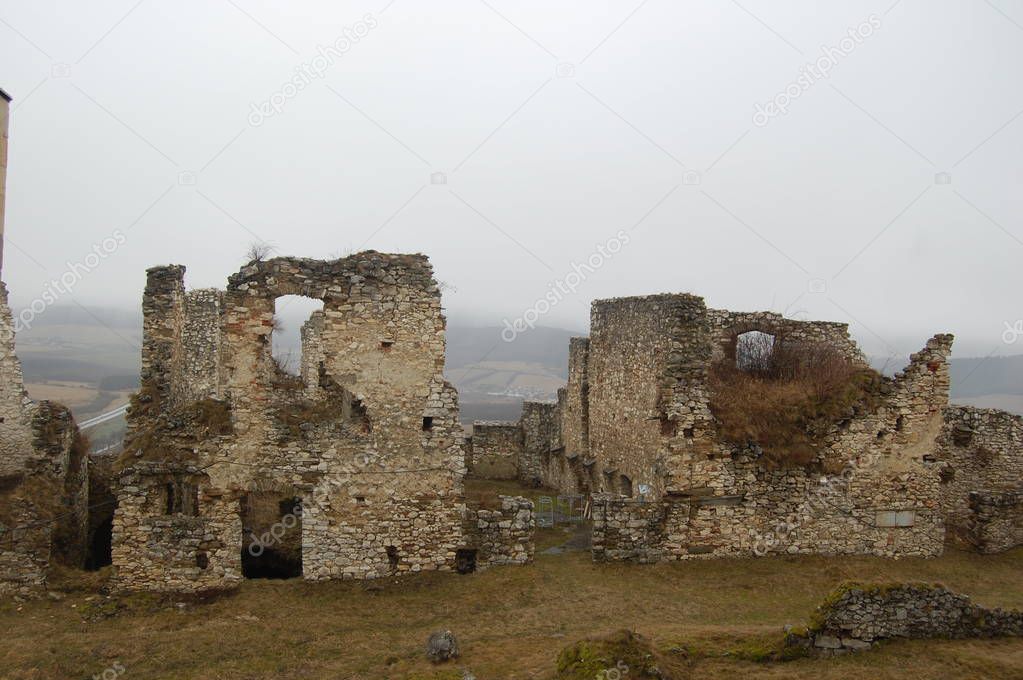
(895, 474)
(352, 470)
(233, 467)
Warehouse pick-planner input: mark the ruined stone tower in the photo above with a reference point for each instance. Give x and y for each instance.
(353, 469)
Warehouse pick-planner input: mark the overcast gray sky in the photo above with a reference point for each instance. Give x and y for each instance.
(554, 126)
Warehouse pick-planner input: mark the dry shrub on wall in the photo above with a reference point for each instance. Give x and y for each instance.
(785, 396)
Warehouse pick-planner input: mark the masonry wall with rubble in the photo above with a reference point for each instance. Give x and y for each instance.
(856, 616)
(366, 440)
(496, 450)
(504, 534)
(633, 427)
(980, 451)
(996, 521)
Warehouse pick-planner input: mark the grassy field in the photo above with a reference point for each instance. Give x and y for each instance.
(511, 622)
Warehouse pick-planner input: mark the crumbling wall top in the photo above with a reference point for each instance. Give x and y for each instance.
(368, 272)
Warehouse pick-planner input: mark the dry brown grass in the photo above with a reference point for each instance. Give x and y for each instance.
(786, 396)
(163, 442)
(512, 622)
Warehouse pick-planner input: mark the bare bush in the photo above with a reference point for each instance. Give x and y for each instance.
(258, 251)
(754, 352)
(783, 395)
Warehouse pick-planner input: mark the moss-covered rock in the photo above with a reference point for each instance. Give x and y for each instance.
(622, 654)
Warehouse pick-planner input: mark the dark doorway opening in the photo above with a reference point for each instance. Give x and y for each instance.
(272, 536)
(101, 546)
(465, 561)
(270, 563)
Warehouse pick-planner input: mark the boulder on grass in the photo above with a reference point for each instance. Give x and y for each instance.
(442, 646)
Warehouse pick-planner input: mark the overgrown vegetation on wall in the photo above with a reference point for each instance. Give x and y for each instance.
(785, 397)
(172, 437)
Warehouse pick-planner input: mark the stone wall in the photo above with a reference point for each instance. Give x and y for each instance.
(312, 354)
(44, 507)
(541, 439)
(640, 351)
(16, 449)
(996, 521)
(174, 549)
(878, 472)
(627, 530)
(496, 450)
(504, 535)
(25, 544)
(727, 325)
(979, 450)
(858, 615)
(197, 362)
(575, 416)
(367, 439)
(635, 423)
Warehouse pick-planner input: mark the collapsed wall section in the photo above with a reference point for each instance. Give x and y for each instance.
(44, 493)
(979, 451)
(856, 616)
(15, 412)
(996, 521)
(872, 490)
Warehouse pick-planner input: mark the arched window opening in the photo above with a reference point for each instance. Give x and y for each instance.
(754, 352)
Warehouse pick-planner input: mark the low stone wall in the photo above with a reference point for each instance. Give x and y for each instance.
(505, 535)
(996, 523)
(802, 517)
(856, 615)
(496, 450)
(384, 537)
(628, 530)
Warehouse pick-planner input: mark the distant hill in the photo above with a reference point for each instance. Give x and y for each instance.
(468, 345)
(494, 376)
(99, 349)
(974, 376)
